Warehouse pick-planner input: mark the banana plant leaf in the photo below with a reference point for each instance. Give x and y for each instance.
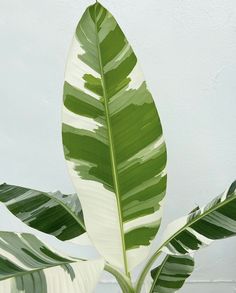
(216, 220)
(53, 213)
(170, 276)
(113, 141)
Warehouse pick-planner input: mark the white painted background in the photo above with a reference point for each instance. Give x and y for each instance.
(187, 49)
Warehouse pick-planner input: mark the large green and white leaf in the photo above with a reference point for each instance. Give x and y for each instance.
(79, 277)
(170, 276)
(113, 140)
(216, 220)
(24, 260)
(53, 213)
(32, 259)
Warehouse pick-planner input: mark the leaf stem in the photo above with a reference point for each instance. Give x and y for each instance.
(159, 273)
(145, 271)
(123, 280)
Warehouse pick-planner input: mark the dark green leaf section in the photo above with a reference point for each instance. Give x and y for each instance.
(217, 220)
(170, 276)
(148, 234)
(80, 103)
(53, 213)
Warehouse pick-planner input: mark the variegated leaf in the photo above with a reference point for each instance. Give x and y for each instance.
(170, 276)
(216, 220)
(79, 277)
(113, 140)
(53, 213)
(29, 265)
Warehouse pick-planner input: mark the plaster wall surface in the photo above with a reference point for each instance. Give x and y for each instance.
(187, 49)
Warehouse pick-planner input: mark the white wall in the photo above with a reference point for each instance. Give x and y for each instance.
(188, 52)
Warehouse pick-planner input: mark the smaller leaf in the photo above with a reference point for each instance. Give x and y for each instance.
(35, 262)
(172, 273)
(216, 220)
(54, 213)
(79, 277)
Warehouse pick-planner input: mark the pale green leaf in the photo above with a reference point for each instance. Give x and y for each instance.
(79, 277)
(34, 262)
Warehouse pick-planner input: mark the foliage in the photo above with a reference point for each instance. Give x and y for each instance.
(116, 156)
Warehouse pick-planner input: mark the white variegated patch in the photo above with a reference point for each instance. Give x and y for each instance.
(87, 275)
(173, 227)
(100, 206)
(82, 239)
(132, 255)
(78, 121)
(136, 78)
(83, 278)
(76, 69)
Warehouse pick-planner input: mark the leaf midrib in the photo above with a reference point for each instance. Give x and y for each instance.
(69, 211)
(194, 220)
(37, 270)
(112, 149)
(159, 273)
(53, 198)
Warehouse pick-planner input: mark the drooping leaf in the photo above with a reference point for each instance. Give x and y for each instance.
(79, 277)
(53, 213)
(113, 140)
(216, 220)
(29, 265)
(170, 276)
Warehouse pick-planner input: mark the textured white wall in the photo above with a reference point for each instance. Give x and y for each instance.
(188, 52)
